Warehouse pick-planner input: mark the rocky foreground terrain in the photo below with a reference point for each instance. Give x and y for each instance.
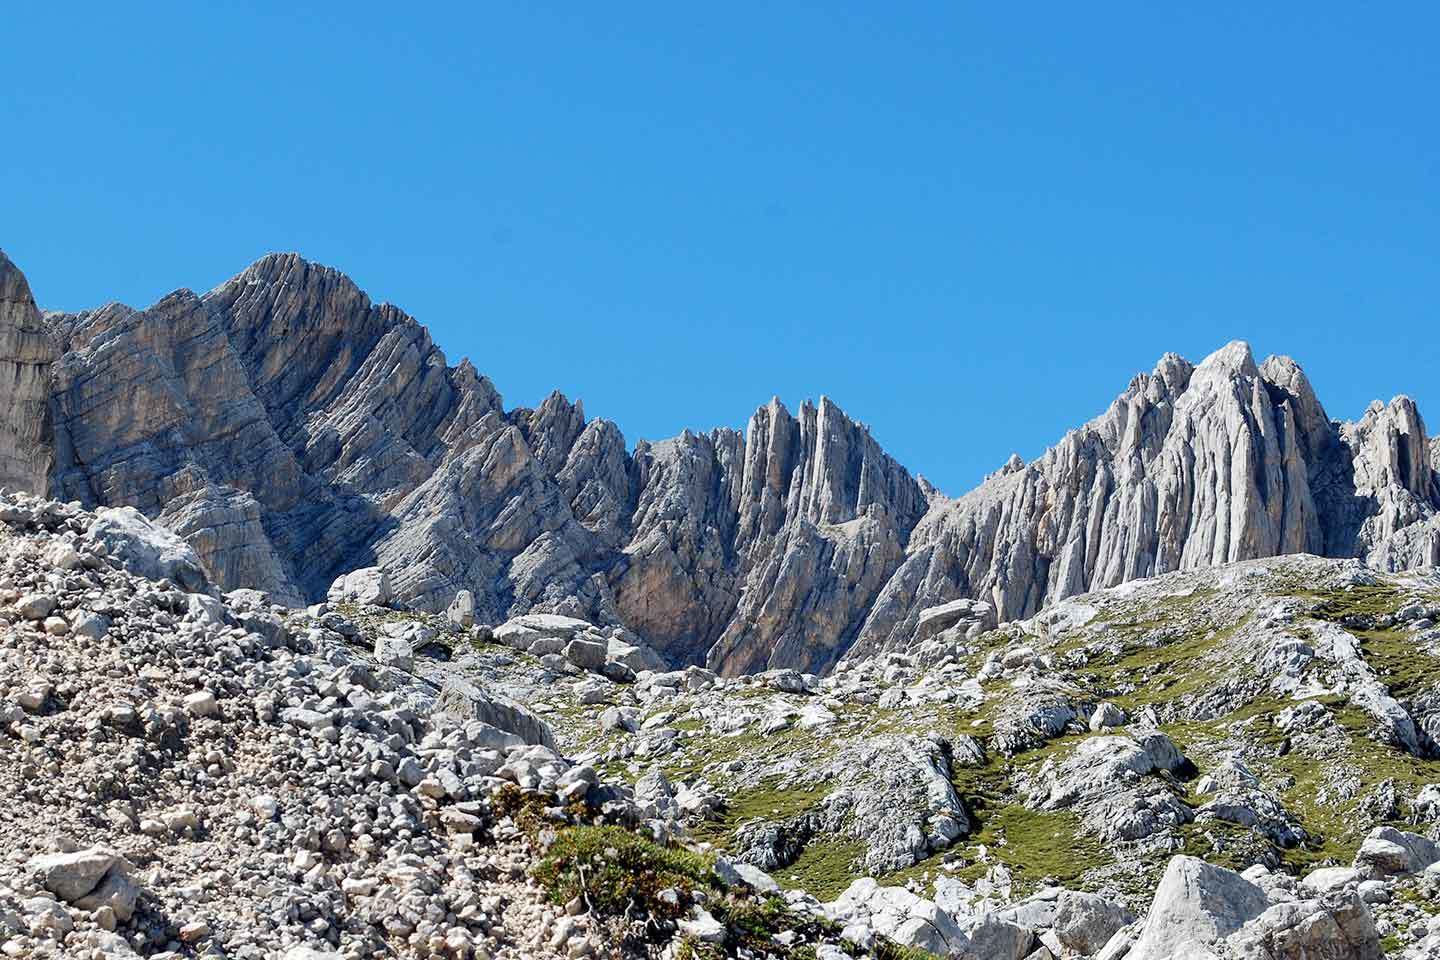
(309, 648)
(1235, 762)
(290, 430)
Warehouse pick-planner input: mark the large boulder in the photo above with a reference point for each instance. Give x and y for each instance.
(586, 654)
(90, 879)
(937, 619)
(368, 585)
(636, 656)
(71, 876)
(461, 611)
(1196, 903)
(467, 701)
(1085, 922)
(913, 921)
(1335, 926)
(147, 549)
(522, 631)
(1387, 852)
(988, 937)
(394, 652)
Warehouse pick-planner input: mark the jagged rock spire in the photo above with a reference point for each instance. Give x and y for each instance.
(26, 352)
(290, 429)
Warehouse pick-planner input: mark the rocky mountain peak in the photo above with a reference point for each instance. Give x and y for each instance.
(291, 430)
(26, 352)
(1235, 359)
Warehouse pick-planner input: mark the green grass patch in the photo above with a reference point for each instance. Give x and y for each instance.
(1337, 606)
(824, 868)
(1414, 895)
(1036, 845)
(620, 873)
(700, 753)
(1406, 670)
(1162, 667)
(1225, 844)
(771, 800)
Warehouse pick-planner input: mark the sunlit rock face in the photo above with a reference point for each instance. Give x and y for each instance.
(291, 430)
(26, 352)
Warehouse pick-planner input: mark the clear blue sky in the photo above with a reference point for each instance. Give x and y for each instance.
(968, 224)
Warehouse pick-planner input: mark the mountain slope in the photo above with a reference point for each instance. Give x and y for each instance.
(291, 430)
(1192, 466)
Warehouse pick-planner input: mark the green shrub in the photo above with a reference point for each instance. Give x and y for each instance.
(620, 873)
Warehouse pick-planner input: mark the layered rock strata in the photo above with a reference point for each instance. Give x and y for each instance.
(290, 430)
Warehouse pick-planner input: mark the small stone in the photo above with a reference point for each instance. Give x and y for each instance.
(35, 606)
(201, 703)
(194, 932)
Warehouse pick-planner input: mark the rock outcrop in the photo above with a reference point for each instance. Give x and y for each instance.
(1192, 466)
(381, 781)
(291, 431)
(26, 352)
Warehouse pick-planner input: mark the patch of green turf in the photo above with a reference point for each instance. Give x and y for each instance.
(1038, 846)
(1405, 670)
(771, 800)
(1035, 845)
(1337, 606)
(618, 872)
(825, 867)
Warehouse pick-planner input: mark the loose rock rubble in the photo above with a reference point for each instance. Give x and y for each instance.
(1099, 751)
(205, 774)
(287, 427)
(185, 775)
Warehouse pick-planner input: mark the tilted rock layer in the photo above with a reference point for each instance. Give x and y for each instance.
(26, 352)
(291, 430)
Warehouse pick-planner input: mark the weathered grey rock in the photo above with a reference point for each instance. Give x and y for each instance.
(147, 549)
(1085, 922)
(985, 936)
(635, 656)
(1335, 926)
(1389, 852)
(394, 652)
(1109, 780)
(117, 890)
(461, 611)
(933, 620)
(368, 585)
(586, 654)
(1196, 902)
(466, 700)
(35, 606)
(71, 876)
(1106, 715)
(522, 632)
(289, 430)
(27, 351)
(737, 873)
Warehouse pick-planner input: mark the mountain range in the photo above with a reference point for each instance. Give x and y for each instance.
(291, 430)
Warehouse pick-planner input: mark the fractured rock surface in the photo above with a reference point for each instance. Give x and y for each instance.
(291, 431)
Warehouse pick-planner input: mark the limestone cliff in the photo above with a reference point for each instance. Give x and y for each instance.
(26, 352)
(291, 430)
(1192, 466)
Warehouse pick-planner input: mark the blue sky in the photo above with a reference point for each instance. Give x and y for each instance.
(968, 224)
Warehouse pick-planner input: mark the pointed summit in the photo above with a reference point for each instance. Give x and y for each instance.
(1235, 358)
(26, 352)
